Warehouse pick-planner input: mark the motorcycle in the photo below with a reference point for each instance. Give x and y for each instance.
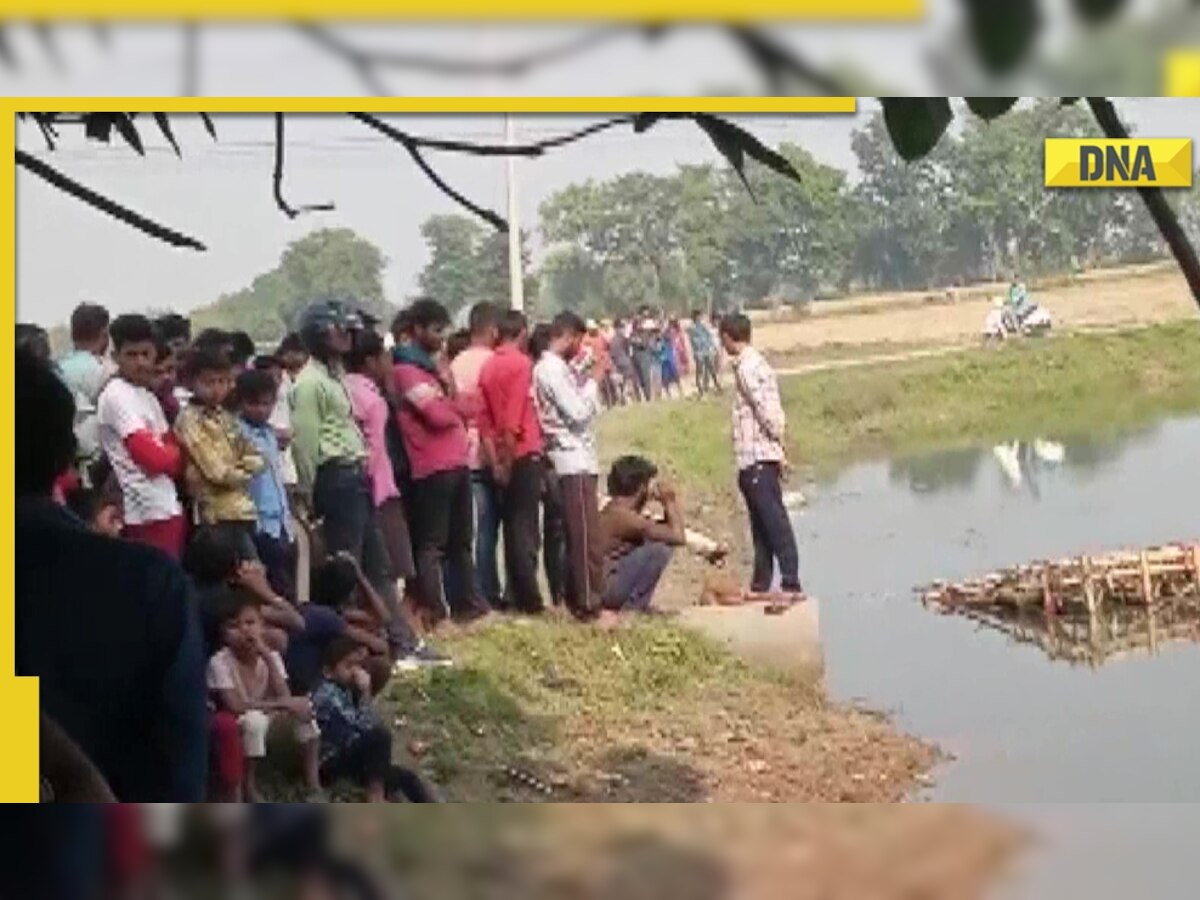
(1027, 319)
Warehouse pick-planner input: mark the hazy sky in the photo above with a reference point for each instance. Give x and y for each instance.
(221, 193)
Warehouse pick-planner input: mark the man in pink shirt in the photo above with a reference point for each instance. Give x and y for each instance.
(465, 367)
(433, 424)
(506, 383)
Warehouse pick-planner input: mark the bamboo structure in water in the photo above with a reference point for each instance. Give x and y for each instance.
(1087, 609)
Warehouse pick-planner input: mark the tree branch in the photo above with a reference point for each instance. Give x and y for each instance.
(534, 149)
(277, 180)
(109, 207)
(778, 61)
(1156, 201)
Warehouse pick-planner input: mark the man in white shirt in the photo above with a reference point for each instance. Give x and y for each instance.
(85, 370)
(568, 405)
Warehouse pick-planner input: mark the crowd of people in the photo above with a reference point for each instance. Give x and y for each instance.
(649, 355)
(214, 544)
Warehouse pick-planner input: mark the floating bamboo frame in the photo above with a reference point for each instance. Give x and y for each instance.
(1087, 609)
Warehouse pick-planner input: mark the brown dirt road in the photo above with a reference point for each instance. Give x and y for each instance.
(1115, 298)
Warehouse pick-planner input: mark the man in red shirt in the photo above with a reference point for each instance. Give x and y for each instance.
(506, 385)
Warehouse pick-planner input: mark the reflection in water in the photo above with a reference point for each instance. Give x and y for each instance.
(1022, 463)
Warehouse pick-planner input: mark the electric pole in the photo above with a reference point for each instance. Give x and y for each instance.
(516, 275)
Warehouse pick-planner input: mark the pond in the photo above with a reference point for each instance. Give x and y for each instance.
(1022, 728)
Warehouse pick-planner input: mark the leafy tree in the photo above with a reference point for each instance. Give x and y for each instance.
(332, 263)
(469, 263)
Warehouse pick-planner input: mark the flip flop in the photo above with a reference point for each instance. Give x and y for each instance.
(781, 603)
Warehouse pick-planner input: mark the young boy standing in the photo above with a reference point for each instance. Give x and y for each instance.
(137, 440)
(758, 446)
(273, 538)
(220, 460)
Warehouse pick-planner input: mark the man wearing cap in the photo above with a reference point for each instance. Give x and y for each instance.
(330, 454)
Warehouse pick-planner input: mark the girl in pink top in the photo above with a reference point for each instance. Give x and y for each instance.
(369, 366)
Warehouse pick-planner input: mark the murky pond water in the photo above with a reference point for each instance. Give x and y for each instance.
(1023, 728)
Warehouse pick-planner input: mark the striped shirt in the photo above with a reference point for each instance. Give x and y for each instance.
(759, 423)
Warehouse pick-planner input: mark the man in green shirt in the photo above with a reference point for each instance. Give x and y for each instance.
(330, 455)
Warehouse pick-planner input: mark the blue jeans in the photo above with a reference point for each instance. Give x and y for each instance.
(342, 500)
(631, 582)
(487, 535)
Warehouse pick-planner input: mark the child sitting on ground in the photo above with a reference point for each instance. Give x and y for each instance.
(248, 680)
(220, 461)
(214, 561)
(100, 510)
(336, 611)
(355, 744)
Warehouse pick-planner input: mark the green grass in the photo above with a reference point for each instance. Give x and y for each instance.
(1052, 387)
(556, 700)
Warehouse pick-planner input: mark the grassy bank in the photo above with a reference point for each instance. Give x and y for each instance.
(656, 713)
(651, 712)
(1054, 387)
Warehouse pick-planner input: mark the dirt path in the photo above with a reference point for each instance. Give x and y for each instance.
(1113, 299)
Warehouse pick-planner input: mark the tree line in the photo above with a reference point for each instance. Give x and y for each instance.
(974, 209)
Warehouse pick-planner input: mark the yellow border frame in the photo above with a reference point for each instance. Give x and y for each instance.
(472, 10)
(19, 696)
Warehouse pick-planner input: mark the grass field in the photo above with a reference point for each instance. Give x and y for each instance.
(1051, 387)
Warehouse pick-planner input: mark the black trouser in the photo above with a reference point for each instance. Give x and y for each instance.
(370, 759)
(519, 504)
(554, 535)
(443, 530)
(774, 540)
(342, 500)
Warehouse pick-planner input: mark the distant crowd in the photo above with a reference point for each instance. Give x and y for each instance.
(214, 544)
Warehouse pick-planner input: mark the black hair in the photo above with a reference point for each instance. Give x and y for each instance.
(33, 339)
(254, 384)
(131, 328)
(162, 349)
(539, 340)
(88, 322)
(512, 323)
(241, 347)
(364, 345)
(457, 343)
(87, 503)
(402, 323)
(44, 426)
(174, 327)
(205, 358)
(428, 313)
(736, 326)
(264, 362)
(212, 557)
(213, 337)
(567, 322)
(334, 583)
(483, 315)
(629, 474)
(229, 603)
(338, 649)
(291, 343)
(696, 314)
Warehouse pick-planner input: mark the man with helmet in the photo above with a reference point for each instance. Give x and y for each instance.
(330, 454)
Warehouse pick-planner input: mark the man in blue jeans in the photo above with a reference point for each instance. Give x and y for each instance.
(758, 446)
(637, 548)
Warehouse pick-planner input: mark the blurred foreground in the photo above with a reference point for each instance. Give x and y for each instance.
(510, 852)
